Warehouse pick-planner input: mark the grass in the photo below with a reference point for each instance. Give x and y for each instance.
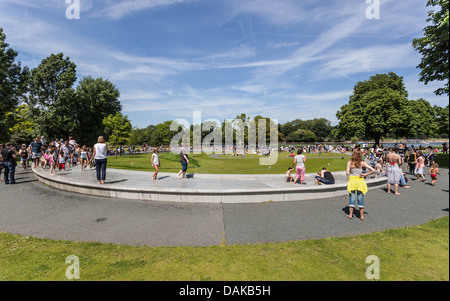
(408, 254)
(204, 164)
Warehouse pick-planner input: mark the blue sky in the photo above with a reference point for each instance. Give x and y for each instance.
(283, 59)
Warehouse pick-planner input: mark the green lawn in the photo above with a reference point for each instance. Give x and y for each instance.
(408, 254)
(226, 164)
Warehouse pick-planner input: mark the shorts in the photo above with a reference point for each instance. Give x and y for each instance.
(36, 155)
(433, 176)
(184, 166)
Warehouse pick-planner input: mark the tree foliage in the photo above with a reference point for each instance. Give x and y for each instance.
(434, 46)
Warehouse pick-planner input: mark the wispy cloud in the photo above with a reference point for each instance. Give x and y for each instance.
(124, 8)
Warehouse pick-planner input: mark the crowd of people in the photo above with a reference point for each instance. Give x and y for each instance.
(55, 155)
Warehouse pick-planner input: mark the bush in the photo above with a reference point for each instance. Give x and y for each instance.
(442, 160)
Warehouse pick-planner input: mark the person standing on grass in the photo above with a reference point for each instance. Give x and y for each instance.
(155, 163)
(100, 158)
(299, 163)
(357, 186)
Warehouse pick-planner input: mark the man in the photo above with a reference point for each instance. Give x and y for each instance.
(9, 163)
(37, 151)
(325, 177)
(67, 149)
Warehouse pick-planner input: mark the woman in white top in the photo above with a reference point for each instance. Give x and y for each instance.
(100, 159)
(155, 163)
(299, 164)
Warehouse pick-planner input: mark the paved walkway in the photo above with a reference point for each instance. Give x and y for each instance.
(33, 209)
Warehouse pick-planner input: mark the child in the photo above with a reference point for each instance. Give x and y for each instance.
(62, 161)
(51, 162)
(83, 157)
(289, 178)
(434, 171)
(378, 170)
(155, 163)
(45, 160)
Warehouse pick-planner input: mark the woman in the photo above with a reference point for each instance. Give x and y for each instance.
(155, 163)
(184, 164)
(299, 163)
(100, 158)
(23, 152)
(393, 170)
(357, 186)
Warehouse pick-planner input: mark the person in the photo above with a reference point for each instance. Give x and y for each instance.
(51, 161)
(289, 178)
(67, 150)
(299, 162)
(325, 177)
(83, 157)
(434, 171)
(101, 160)
(411, 159)
(357, 186)
(155, 163)
(444, 148)
(9, 163)
(420, 166)
(378, 169)
(61, 161)
(393, 170)
(184, 159)
(37, 150)
(23, 153)
(1, 162)
(430, 157)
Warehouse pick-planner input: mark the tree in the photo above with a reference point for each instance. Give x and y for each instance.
(117, 129)
(441, 121)
(22, 126)
(378, 107)
(13, 81)
(421, 121)
(95, 100)
(52, 98)
(434, 46)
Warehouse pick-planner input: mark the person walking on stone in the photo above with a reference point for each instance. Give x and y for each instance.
(299, 164)
(155, 163)
(184, 159)
(100, 158)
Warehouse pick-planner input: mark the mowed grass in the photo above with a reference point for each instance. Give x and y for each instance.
(408, 254)
(226, 164)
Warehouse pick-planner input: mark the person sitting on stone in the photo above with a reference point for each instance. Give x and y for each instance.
(325, 177)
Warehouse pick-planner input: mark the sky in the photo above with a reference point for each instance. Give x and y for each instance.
(283, 59)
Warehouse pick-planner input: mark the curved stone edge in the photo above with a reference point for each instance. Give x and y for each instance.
(212, 196)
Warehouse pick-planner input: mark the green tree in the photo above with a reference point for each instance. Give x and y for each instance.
(421, 122)
(95, 100)
(52, 99)
(22, 128)
(434, 46)
(442, 121)
(378, 107)
(117, 129)
(13, 81)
